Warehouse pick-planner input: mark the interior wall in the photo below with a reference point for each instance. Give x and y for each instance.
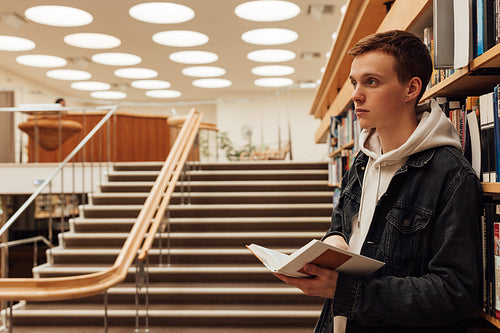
(270, 116)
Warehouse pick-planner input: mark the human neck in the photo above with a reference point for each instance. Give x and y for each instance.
(394, 137)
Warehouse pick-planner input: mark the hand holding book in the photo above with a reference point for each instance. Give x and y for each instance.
(316, 252)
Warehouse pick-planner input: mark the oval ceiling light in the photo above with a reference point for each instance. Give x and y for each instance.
(151, 84)
(161, 12)
(136, 73)
(203, 71)
(40, 60)
(273, 82)
(267, 10)
(271, 55)
(273, 70)
(69, 74)
(59, 16)
(180, 38)
(92, 40)
(163, 93)
(116, 59)
(108, 94)
(90, 85)
(194, 57)
(12, 43)
(212, 83)
(270, 36)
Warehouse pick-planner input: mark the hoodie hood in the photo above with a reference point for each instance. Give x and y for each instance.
(433, 130)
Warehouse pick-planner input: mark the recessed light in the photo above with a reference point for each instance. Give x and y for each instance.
(116, 59)
(343, 9)
(270, 36)
(335, 35)
(59, 16)
(271, 55)
(90, 85)
(180, 38)
(267, 10)
(273, 82)
(92, 40)
(150, 84)
(136, 73)
(108, 94)
(69, 74)
(163, 93)
(203, 71)
(12, 43)
(212, 83)
(161, 12)
(194, 57)
(40, 60)
(273, 70)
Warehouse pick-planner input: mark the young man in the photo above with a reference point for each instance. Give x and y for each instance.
(410, 200)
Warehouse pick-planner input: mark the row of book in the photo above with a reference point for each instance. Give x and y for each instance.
(461, 30)
(491, 258)
(342, 145)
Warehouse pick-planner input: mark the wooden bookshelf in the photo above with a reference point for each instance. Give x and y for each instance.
(364, 17)
(491, 319)
(337, 151)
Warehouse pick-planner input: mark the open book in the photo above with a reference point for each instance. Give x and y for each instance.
(318, 253)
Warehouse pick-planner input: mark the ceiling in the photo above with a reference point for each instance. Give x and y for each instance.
(215, 18)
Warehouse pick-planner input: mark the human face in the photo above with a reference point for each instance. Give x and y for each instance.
(379, 97)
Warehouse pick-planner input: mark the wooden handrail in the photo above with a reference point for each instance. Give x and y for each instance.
(60, 288)
(170, 189)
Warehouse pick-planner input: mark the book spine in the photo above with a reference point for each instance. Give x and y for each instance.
(479, 28)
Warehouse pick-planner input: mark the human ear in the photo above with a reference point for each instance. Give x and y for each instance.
(414, 88)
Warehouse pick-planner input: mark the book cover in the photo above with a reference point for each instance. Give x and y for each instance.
(489, 24)
(318, 253)
(486, 113)
(462, 54)
(443, 30)
(496, 128)
(472, 146)
(479, 28)
(496, 244)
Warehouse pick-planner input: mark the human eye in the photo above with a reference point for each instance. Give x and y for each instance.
(371, 82)
(353, 83)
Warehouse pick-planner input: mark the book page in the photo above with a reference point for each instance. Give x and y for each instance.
(270, 258)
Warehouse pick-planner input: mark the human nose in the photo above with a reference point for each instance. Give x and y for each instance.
(357, 95)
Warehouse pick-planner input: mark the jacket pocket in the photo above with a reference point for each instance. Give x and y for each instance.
(406, 227)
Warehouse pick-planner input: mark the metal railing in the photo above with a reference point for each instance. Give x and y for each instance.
(148, 223)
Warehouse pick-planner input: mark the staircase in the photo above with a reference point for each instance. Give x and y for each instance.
(205, 280)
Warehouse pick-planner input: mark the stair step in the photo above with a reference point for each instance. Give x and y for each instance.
(199, 224)
(233, 175)
(228, 210)
(236, 165)
(198, 239)
(139, 198)
(173, 274)
(259, 317)
(183, 293)
(214, 256)
(216, 186)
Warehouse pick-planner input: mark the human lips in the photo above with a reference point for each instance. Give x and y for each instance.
(360, 111)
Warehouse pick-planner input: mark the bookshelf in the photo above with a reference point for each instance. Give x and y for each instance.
(364, 17)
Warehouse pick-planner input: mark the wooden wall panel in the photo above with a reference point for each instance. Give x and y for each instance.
(132, 139)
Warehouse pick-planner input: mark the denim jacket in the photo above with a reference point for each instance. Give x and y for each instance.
(426, 228)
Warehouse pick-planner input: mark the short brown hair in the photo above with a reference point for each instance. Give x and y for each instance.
(412, 55)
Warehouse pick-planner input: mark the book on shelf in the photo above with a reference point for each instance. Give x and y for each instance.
(490, 249)
(496, 255)
(318, 253)
(472, 140)
(462, 32)
(443, 31)
(486, 115)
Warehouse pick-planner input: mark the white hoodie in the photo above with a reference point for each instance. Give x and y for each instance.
(434, 129)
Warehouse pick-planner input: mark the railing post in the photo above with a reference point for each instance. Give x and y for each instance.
(106, 311)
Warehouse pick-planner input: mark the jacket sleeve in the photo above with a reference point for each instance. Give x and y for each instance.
(449, 289)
